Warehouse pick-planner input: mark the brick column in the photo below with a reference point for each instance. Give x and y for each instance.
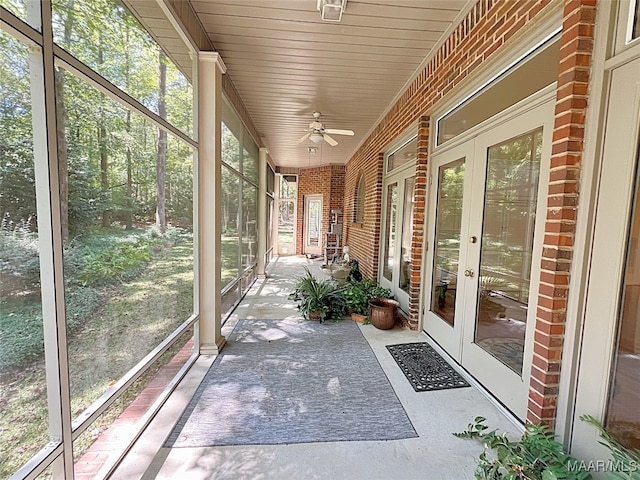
(568, 135)
(419, 214)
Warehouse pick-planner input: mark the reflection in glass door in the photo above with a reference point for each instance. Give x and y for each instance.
(446, 255)
(312, 224)
(622, 418)
(396, 235)
(510, 200)
(391, 216)
(407, 233)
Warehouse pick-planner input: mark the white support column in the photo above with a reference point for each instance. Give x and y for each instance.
(263, 228)
(210, 71)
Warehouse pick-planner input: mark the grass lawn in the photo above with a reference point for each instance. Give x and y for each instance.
(132, 317)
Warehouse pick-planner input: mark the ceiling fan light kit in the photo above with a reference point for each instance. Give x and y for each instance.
(317, 132)
(331, 10)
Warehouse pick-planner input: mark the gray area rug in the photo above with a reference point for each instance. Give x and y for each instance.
(292, 381)
(425, 368)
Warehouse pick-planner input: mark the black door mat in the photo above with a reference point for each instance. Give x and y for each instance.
(425, 368)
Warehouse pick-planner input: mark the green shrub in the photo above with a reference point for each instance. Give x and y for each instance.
(21, 330)
(120, 261)
(318, 297)
(536, 456)
(358, 293)
(19, 251)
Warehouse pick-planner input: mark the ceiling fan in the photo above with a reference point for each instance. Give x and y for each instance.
(317, 132)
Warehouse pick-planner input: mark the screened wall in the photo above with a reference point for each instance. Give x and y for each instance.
(239, 209)
(97, 218)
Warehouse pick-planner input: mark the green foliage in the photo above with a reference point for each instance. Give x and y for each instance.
(19, 251)
(322, 297)
(120, 261)
(357, 295)
(626, 462)
(21, 331)
(536, 456)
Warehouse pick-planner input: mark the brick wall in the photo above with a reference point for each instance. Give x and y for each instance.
(327, 181)
(568, 135)
(488, 26)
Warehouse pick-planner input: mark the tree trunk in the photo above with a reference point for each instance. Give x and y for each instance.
(104, 156)
(63, 158)
(61, 127)
(129, 219)
(161, 164)
(104, 166)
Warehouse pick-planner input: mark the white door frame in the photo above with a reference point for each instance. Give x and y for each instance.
(398, 177)
(307, 247)
(511, 388)
(603, 294)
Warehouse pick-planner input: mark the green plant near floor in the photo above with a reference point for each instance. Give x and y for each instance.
(536, 456)
(358, 293)
(318, 297)
(625, 463)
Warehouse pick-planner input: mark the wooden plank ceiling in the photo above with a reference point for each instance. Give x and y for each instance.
(286, 63)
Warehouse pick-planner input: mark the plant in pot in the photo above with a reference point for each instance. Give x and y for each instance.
(357, 295)
(318, 299)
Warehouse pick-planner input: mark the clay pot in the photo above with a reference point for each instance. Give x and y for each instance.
(383, 313)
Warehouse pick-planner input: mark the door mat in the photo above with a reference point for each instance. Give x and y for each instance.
(425, 368)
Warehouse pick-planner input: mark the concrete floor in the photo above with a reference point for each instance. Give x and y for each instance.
(435, 454)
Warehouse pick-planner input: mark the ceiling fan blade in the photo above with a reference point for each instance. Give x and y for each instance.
(304, 137)
(329, 140)
(335, 131)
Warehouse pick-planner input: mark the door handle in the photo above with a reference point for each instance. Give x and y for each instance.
(469, 273)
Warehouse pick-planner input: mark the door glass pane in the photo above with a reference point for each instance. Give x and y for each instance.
(511, 191)
(447, 240)
(623, 415)
(404, 155)
(407, 233)
(532, 74)
(314, 214)
(390, 230)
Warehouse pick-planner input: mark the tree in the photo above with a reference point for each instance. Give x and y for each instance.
(161, 165)
(61, 128)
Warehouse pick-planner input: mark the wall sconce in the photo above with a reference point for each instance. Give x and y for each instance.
(331, 10)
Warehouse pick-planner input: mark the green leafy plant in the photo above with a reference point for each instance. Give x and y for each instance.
(358, 293)
(318, 298)
(119, 262)
(625, 462)
(536, 456)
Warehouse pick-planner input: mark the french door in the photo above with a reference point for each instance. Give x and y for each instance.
(397, 231)
(313, 224)
(608, 386)
(484, 244)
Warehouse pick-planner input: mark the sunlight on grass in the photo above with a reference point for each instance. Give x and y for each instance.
(131, 319)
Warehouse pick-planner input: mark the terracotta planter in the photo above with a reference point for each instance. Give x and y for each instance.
(383, 313)
(356, 317)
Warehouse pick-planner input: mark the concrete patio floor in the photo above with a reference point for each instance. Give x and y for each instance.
(435, 454)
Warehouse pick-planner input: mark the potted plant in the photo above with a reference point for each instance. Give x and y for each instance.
(318, 299)
(357, 295)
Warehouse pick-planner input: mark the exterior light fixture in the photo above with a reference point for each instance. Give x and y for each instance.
(331, 10)
(315, 137)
